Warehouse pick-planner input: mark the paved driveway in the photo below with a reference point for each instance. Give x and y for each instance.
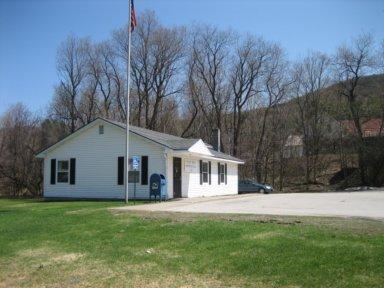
(359, 204)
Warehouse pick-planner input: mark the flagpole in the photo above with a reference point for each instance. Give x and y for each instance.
(128, 92)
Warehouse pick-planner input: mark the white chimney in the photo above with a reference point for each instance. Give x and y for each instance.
(216, 140)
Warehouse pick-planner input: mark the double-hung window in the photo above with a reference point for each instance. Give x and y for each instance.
(62, 171)
(222, 173)
(205, 172)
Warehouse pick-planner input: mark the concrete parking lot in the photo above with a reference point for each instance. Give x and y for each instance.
(345, 204)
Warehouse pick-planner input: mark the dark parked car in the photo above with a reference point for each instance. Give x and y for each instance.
(249, 186)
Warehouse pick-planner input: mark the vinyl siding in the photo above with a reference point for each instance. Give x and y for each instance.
(191, 180)
(96, 163)
(169, 174)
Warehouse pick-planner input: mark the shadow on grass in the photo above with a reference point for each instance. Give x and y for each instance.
(74, 200)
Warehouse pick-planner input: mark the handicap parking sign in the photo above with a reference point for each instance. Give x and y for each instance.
(135, 162)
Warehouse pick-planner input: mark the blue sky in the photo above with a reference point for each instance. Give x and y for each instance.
(31, 30)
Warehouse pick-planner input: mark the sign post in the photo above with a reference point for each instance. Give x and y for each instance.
(135, 168)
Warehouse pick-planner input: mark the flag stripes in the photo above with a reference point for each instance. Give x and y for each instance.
(133, 16)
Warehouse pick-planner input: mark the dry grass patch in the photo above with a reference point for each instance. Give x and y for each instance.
(343, 224)
(83, 211)
(185, 281)
(44, 267)
(264, 235)
(48, 256)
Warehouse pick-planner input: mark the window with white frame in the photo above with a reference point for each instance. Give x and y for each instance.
(222, 173)
(62, 171)
(205, 172)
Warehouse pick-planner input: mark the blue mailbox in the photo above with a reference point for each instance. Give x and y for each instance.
(157, 186)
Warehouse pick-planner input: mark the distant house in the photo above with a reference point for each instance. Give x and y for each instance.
(90, 164)
(294, 146)
(370, 128)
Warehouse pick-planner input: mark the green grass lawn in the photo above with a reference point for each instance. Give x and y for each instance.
(84, 244)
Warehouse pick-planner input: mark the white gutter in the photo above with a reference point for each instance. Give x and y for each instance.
(197, 155)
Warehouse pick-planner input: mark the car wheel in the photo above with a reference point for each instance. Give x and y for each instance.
(262, 191)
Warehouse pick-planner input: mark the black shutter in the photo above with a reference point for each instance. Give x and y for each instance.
(225, 171)
(209, 172)
(53, 171)
(218, 172)
(144, 170)
(201, 172)
(120, 170)
(72, 170)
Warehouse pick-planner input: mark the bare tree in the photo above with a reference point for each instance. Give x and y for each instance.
(381, 70)
(20, 139)
(169, 51)
(209, 63)
(89, 104)
(283, 126)
(71, 67)
(192, 105)
(275, 86)
(245, 81)
(351, 63)
(99, 57)
(312, 75)
(156, 65)
(380, 56)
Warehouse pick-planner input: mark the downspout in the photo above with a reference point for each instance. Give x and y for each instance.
(166, 171)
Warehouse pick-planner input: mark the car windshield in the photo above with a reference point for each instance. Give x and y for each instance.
(251, 182)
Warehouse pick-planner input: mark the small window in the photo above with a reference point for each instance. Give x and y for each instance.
(222, 173)
(62, 171)
(101, 129)
(205, 172)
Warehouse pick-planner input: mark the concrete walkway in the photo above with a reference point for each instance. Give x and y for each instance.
(346, 204)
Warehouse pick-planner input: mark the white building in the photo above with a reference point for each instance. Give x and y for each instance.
(294, 146)
(89, 163)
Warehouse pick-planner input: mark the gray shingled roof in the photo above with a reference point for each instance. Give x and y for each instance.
(221, 155)
(171, 141)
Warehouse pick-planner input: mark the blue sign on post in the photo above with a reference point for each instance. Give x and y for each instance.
(135, 167)
(135, 163)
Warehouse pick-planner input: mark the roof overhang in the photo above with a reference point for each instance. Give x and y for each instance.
(204, 156)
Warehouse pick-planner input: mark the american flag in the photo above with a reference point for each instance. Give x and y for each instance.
(133, 16)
